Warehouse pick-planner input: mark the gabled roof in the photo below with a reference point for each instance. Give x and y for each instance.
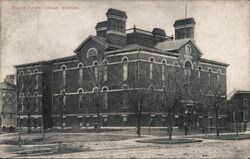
(99, 40)
(175, 45)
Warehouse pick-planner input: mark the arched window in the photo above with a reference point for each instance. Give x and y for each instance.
(95, 89)
(209, 75)
(163, 65)
(63, 68)
(80, 90)
(35, 94)
(151, 60)
(81, 98)
(188, 67)
(96, 70)
(37, 102)
(29, 72)
(210, 93)
(199, 71)
(125, 68)
(105, 97)
(36, 71)
(219, 94)
(80, 66)
(21, 73)
(37, 80)
(105, 70)
(92, 52)
(218, 74)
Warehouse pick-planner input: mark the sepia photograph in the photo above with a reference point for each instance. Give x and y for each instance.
(124, 79)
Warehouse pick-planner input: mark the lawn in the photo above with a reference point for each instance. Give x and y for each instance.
(54, 143)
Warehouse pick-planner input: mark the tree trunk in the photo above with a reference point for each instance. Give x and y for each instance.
(170, 127)
(139, 124)
(217, 124)
(28, 123)
(19, 131)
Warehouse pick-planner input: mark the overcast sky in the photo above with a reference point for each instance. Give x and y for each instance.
(34, 31)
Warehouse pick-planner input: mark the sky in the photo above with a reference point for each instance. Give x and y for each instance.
(42, 30)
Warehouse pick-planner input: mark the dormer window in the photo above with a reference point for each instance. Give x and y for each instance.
(92, 52)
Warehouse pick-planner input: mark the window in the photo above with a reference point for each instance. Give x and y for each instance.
(21, 73)
(163, 70)
(22, 105)
(209, 76)
(218, 74)
(188, 67)
(125, 68)
(209, 72)
(64, 103)
(80, 90)
(151, 60)
(37, 80)
(234, 116)
(105, 70)
(105, 98)
(80, 101)
(37, 104)
(199, 72)
(29, 72)
(80, 75)
(95, 89)
(63, 68)
(125, 97)
(92, 52)
(96, 70)
(245, 103)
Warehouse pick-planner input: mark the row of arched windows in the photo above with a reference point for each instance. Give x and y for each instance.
(29, 72)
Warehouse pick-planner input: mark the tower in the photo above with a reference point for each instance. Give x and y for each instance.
(184, 28)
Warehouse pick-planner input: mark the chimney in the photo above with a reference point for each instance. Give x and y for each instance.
(116, 27)
(184, 28)
(101, 29)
